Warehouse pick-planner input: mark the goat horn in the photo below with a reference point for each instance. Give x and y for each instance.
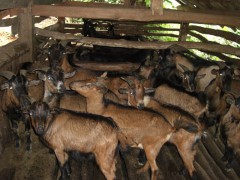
(184, 68)
(45, 69)
(130, 83)
(7, 74)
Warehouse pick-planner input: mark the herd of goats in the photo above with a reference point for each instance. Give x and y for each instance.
(75, 109)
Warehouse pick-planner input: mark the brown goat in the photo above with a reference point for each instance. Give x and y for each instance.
(64, 131)
(168, 95)
(80, 74)
(230, 129)
(183, 140)
(143, 129)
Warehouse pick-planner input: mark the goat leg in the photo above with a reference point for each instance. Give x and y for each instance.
(15, 132)
(28, 136)
(64, 172)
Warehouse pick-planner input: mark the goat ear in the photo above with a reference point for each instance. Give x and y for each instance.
(230, 100)
(55, 111)
(41, 74)
(200, 76)
(149, 90)
(69, 75)
(34, 82)
(4, 86)
(104, 75)
(123, 91)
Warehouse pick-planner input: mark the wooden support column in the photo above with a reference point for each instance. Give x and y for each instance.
(183, 32)
(26, 31)
(157, 7)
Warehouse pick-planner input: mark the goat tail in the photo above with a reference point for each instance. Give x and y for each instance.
(188, 126)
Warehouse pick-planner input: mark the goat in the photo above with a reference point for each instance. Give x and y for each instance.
(64, 131)
(178, 71)
(171, 96)
(143, 129)
(230, 129)
(183, 140)
(15, 98)
(59, 58)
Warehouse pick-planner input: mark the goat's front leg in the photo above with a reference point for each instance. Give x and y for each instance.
(28, 135)
(63, 164)
(15, 132)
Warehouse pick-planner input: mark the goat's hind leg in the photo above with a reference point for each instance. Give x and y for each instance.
(107, 162)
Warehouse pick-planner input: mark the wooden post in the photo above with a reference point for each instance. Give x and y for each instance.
(183, 32)
(26, 31)
(157, 7)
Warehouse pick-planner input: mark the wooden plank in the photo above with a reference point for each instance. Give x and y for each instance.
(11, 12)
(12, 4)
(183, 32)
(139, 45)
(134, 14)
(224, 34)
(108, 66)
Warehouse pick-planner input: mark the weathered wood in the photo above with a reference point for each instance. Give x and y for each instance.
(135, 14)
(108, 66)
(183, 32)
(11, 12)
(26, 30)
(157, 7)
(139, 45)
(208, 11)
(224, 34)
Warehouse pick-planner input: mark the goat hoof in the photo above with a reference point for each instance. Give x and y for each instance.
(29, 148)
(194, 176)
(183, 171)
(224, 158)
(17, 145)
(228, 166)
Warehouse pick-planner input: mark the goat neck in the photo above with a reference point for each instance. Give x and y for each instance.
(95, 104)
(9, 100)
(65, 66)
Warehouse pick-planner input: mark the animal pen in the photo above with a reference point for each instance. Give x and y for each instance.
(32, 36)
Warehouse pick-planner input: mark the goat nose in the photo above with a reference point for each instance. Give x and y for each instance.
(140, 106)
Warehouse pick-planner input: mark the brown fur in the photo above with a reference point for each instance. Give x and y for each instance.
(167, 95)
(232, 129)
(74, 132)
(144, 129)
(81, 73)
(183, 140)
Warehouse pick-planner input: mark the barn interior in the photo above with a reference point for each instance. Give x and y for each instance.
(127, 35)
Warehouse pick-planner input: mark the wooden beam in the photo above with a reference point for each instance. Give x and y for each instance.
(11, 12)
(133, 14)
(183, 32)
(109, 66)
(139, 45)
(224, 34)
